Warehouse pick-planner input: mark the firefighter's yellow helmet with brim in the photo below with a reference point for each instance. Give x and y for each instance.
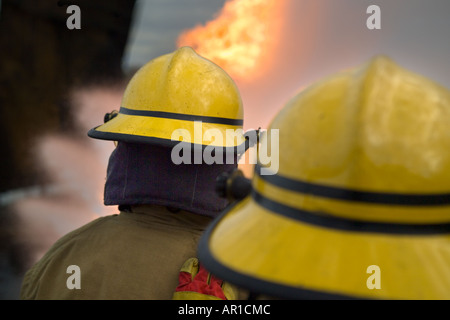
(180, 92)
(360, 205)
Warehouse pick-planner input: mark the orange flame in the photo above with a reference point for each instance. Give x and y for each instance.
(242, 37)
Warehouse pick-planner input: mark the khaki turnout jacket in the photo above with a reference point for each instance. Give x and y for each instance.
(131, 255)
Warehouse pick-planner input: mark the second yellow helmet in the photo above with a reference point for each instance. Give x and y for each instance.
(360, 205)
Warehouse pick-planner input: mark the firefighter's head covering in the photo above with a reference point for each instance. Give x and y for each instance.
(177, 96)
(360, 205)
(177, 93)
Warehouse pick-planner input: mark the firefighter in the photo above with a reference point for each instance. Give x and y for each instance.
(360, 205)
(164, 206)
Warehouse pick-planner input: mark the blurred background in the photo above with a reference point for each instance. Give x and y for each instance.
(57, 83)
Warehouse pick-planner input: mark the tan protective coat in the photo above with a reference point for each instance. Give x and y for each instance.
(134, 255)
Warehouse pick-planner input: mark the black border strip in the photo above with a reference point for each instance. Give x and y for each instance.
(256, 285)
(401, 199)
(333, 222)
(180, 116)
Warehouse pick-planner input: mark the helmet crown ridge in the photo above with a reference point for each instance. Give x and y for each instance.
(184, 82)
(378, 128)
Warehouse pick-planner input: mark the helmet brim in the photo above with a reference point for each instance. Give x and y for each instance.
(169, 132)
(271, 253)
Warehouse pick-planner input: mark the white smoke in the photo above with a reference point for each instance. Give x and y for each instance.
(76, 166)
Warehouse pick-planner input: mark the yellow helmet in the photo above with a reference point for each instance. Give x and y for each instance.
(177, 91)
(360, 205)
